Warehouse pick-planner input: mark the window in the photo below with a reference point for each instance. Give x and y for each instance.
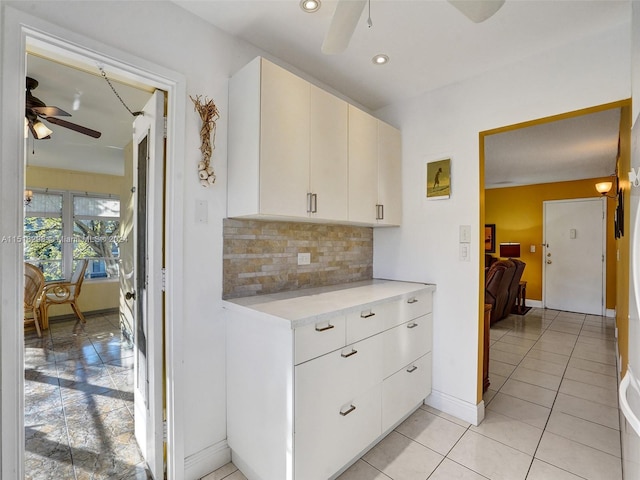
(64, 227)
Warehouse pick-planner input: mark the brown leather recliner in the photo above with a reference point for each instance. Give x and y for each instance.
(513, 288)
(497, 283)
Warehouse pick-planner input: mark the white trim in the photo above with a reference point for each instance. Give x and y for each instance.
(533, 303)
(206, 461)
(466, 411)
(20, 29)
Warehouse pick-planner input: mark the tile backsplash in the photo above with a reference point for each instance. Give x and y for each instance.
(262, 256)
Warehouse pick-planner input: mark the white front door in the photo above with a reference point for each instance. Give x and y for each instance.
(145, 292)
(574, 257)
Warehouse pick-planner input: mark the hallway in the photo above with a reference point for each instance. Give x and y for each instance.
(79, 402)
(551, 412)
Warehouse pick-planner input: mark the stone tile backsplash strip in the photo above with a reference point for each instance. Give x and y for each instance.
(262, 256)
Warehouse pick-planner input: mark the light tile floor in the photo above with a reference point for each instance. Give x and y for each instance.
(551, 412)
(79, 403)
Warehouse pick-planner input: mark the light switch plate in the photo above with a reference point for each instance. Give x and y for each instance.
(465, 233)
(202, 211)
(464, 253)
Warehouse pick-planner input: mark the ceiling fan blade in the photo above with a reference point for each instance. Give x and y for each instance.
(477, 10)
(51, 111)
(73, 126)
(343, 24)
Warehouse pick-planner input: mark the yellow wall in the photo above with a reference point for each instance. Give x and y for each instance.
(517, 214)
(96, 294)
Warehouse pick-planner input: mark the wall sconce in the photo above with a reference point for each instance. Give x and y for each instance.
(634, 177)
(510, 250)
(604, 188)
(28, 196)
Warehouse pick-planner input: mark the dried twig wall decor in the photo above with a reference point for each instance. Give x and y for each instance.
(208, 114)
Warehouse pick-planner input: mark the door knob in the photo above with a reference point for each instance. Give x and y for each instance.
(130, 295)
(549, 262)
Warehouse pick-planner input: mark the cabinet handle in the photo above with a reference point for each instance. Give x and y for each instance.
(347, 355)
(412, 300)
(314, 203)
(379, 212)
(309, 202)
(348, 411)
(367, 315)
(412, 369)
(412, 325)
(324, 329)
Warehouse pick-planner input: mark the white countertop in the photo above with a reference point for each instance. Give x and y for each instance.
(302, 307)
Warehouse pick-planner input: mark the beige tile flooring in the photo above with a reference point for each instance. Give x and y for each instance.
(79, 403)
(551, 413)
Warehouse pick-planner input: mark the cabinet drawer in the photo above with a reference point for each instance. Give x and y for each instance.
(405, 389)
(414, 306)
(406, 342)
(367, 322)
(340, 375)
(329, 437)
(314, 340)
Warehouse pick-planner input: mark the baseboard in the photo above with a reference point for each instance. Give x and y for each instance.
(469, 412)
(533, 303)
(610, 313)
(206, 461)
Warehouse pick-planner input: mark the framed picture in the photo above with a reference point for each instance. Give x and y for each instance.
(490, 238)
(439, 179)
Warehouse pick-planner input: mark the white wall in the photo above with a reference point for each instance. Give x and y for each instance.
(165, 34)
(446, 123)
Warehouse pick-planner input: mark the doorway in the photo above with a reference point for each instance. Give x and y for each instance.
(29, 33)
(574, 268)
(92, 364)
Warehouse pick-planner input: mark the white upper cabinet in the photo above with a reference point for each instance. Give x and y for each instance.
(328, 156)
(297, 152)
(389, 175)
(284, 142)
(375, 175)
(363, 166)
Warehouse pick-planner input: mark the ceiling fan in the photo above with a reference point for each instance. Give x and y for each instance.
(36, 109)
(348, 12)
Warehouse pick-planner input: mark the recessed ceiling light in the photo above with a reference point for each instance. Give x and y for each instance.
(310, 6)
(380, 59)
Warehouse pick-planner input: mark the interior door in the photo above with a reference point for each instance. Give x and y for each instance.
(574, 257)
(142, 287)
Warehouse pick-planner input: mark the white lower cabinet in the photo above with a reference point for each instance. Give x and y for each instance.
(353, 374)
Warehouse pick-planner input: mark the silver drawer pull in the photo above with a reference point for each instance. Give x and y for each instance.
(348, 411)
(412, 369)
(367, 315)
(412, 325)
(412, 300)
(324, 329)
(347, 355)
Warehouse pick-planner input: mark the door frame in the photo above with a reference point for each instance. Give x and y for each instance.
(603, 279)
(19, 32)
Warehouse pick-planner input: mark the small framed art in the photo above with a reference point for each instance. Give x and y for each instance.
(439, 179)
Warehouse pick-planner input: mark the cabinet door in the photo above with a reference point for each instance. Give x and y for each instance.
(389, 174)
(404, 390)
(328, 155)
(363, 166)
(284, 142)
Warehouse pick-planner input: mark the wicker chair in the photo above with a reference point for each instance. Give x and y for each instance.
(33, 288)
(60, 293)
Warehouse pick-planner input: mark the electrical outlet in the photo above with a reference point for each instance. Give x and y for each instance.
(304, 258)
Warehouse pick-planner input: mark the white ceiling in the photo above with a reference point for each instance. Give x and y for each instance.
(430, 44)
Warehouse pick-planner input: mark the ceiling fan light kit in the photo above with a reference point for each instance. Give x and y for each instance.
(36, 108)
(477, 10)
